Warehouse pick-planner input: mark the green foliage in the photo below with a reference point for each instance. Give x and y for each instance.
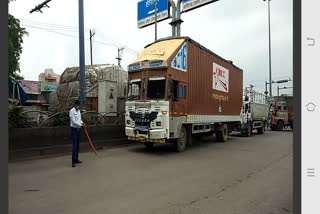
(15, 40)
(16, 118)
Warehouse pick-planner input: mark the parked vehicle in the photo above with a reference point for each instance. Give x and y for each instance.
(178, 89)
(281, 113)
(254, 112)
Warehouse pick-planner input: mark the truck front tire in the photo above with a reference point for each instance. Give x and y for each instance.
(248, 131)
(181, 143)
(262, 129)
(280, 126)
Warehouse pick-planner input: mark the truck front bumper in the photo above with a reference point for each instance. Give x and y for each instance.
(152, 135)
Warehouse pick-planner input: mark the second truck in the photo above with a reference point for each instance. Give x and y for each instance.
(178, 89)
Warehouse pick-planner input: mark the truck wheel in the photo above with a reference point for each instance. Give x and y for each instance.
(182, 140)
(189, 136)
(248, 131)
(222, 134)
(280, 126)
(149, 145)
(262, 129)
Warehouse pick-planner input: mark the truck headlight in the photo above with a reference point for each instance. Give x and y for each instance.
(158, 123)
(128, 122)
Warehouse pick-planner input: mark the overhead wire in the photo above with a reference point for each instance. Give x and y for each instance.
(58, 27)
(44, 24)
(53, 30)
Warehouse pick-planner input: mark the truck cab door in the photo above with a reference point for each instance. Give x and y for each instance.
(178, 96)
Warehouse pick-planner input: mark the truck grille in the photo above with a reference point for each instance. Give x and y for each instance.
(143, 119)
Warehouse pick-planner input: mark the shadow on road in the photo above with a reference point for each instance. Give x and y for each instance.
(169, 148)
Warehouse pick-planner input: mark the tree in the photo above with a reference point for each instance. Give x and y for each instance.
(15, 40)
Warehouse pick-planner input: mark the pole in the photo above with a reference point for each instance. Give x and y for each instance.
(266, 92)
(179, 17)
(270, 77)
(278, 89)
(155, 18)
(91, 35)
(81, 56)
(174, 12)
(119, 55)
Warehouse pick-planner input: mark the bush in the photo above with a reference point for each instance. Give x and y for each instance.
(17, 119)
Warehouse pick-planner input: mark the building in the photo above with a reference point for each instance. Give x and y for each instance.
(49, 76)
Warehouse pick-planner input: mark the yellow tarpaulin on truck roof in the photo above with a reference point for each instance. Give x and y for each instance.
(159, 51)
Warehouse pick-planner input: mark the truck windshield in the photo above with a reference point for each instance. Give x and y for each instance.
(134, 91)
(156, 89)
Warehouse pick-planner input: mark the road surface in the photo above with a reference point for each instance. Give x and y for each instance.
(244, 175)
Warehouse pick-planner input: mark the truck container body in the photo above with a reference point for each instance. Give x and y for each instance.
(179, 88)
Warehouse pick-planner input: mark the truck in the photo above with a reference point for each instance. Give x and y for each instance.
(254, 112)
(281, 112)
(178, 90)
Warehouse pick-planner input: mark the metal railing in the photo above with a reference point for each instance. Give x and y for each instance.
(39, 119)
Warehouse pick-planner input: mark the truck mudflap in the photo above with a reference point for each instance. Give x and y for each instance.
(143, 140)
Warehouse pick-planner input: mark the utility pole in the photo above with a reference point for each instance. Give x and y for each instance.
(270, 77)
(92, 33)
(155, 18)
(119, 55)
(81, 48)
(82, 57)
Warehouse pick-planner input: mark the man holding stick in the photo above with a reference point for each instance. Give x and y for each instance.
(75, 124)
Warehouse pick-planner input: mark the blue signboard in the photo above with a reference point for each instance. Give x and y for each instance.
(193, 4)
(180, 60)
(146, 12)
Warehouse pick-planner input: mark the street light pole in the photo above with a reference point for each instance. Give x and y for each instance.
(155, 18)
(81, 56)
(270, 77)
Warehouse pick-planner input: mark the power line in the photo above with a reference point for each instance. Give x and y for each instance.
(52, 31)
(58, 27)
(45, 24)
(77, 37)
(50, 28)
(127, 49)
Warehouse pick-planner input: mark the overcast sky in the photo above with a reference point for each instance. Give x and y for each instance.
(237, 30)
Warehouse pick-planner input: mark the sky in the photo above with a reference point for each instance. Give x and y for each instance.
(236, 30)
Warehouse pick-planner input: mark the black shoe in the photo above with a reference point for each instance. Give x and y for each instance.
(73, 165)
(78, 161)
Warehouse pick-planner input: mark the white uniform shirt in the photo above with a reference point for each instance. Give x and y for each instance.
(75, 118)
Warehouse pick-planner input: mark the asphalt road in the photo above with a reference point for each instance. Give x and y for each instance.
(243, 176)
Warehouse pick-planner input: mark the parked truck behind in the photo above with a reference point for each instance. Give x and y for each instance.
(281, 113)
(254, 112)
